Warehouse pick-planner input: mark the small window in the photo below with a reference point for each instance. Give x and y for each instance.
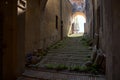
(57, 22)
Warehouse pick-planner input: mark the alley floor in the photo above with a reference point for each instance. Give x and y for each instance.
(60, 61)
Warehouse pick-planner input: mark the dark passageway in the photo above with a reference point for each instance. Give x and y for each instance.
(69, 59)
(37, 40)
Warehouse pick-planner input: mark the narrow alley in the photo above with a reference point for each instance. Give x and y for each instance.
(59, 40)
(66, 60)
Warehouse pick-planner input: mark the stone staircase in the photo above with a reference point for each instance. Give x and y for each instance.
(70, 52)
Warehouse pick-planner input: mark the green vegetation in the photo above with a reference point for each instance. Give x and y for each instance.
(94, 69)
(86, 41)
(40, 52)
(61, 67)
(50, 66)
(77, 68)
(56, 45)
(86, 59)
(56, 67)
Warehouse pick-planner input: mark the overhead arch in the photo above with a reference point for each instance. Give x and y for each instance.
(79, 13)
(43, 3)
(79, 19)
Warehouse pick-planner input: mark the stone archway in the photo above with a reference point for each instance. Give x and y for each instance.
(79, 19)
(79, 13)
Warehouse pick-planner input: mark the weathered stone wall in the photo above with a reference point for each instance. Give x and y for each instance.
(67, 16)
(21, 12)
(23, 32)
(111, 31)
(44, 28)
(50, 24)
(115, 6)
(10, 55)
(103, 33)
(1, 41)
(102, 23)
(50, 28)
(107, 28)
(32, 29)
(89, 18)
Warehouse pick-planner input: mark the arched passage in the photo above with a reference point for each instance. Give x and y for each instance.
(79, 19)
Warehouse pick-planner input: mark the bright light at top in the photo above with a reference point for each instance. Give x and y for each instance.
(78, 26)
(79, 21)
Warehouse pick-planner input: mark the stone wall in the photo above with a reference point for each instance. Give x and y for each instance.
(1, 41)
(66, 16)
(21, 12)
(9, 46)
(32, 29)
(111, 31)
(36, 27)
(50, 24)
(115, 38)
(106, 16)
(89, 18)
(44, 28)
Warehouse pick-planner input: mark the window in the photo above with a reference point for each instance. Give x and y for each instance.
(56, 22)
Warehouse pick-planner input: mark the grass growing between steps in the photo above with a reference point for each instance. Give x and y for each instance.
(94, 69)
(86, 41)
(57, 45)
(77, 68)
(56, 67)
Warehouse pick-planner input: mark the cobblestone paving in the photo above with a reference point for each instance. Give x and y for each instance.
(72, 52)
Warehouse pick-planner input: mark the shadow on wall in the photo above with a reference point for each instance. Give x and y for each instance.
(21, 7)
(21, 40)
(1, 37)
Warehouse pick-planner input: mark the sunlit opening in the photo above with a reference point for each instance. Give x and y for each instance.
(78, 24)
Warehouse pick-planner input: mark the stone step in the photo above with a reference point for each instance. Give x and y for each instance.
(44, 75)
(69, 52)
(70, 49)
(62, 62)
(66, 57)
(65, 62)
